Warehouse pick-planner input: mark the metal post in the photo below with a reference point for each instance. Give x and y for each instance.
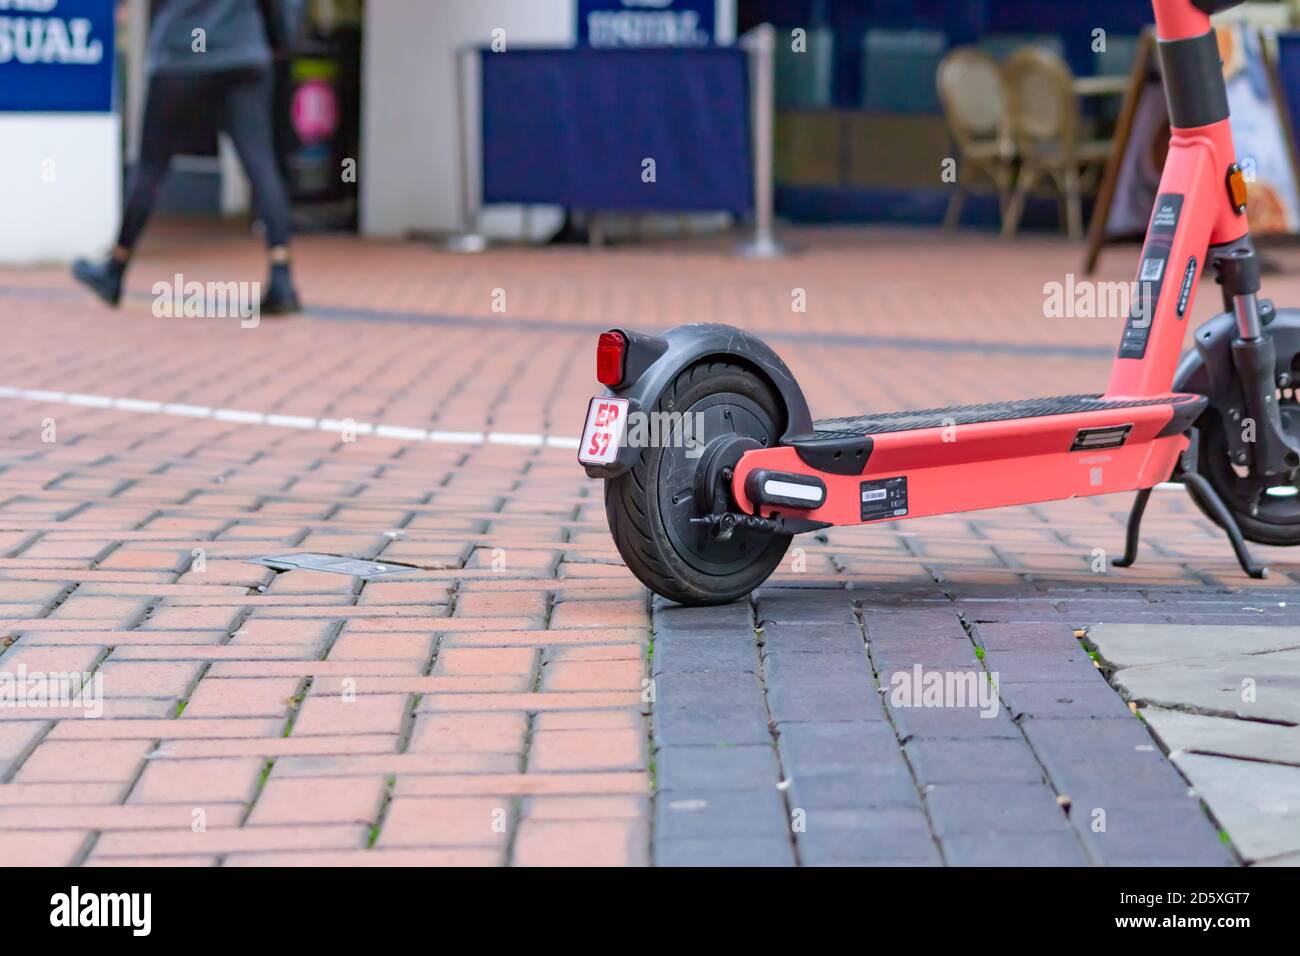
(470, 239)
(761, 44)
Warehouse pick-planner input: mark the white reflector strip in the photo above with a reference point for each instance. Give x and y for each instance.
(788, 489)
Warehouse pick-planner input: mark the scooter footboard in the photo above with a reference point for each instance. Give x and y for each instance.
(972, 466)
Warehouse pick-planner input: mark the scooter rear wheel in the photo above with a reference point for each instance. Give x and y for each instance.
(651, 506)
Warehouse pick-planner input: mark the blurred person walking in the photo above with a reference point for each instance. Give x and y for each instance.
(209, 60)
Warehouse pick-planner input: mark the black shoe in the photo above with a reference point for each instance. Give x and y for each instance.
(280, 298)
(103, 278)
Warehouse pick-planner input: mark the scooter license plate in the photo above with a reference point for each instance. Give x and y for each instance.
(606, 421)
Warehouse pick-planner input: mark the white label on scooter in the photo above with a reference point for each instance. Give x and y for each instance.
(606, 421)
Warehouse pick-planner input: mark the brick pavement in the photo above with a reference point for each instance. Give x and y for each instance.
(492, 706)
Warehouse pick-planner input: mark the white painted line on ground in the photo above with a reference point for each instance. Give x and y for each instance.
(241, 417)
(244, 417)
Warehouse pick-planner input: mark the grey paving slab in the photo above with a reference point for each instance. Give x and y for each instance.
(937, 623)
(836, 744)
(1027, 638)
(1257, 803)
(695, 652)
(1222, 686)
(725, 851)
(833, 702)
(951, 722)
(1127, 645)
(1080, 700)
(834, 607)
(673, 618)
(811, 671)
(1286, 859)
(720, 813)
(1004, 611)
(1005, 760)
(746, 767)
(1224, 736)
(994, 808)
(712, 708)
(779, 638)
(1032, 667)
(866, 836)
(1057, 848)
(871, 785)
(893, 655)
(1154, 833)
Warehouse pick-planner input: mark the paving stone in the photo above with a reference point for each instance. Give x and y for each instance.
(749, 767)
(866, 836)
(1162, 833)
(1058, 848)
(1027, 667)
(806, 747)
(1027, 638)
(1224, 736)
(872, 785)
(904, 654)
(942, 623)
(952, 722)
(807, 608)
(1004, 760)
(977, 808)
(811, 639)
(1025, 610)
(1220, 685)
(1128, 645)
(720, 813)
(809, 703)
(711, 708)
(687, 653)
(725, 851)
(670, 618)
(1257, 803)
(1081, 700)
(811, 671)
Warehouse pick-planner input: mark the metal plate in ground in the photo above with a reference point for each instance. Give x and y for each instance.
(332, 564)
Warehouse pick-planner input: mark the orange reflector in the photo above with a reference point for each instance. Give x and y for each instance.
(1237, 187)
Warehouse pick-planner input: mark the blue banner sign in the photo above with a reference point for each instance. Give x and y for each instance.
(604, 130)
(646, 23)
(56, 56)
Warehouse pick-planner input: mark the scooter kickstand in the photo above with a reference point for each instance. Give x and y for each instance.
(1134, 530)
(1204, 493)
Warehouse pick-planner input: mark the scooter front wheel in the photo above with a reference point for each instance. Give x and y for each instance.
(706, 418)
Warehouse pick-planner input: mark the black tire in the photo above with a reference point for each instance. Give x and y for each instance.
(648, 516)
(1275, 518)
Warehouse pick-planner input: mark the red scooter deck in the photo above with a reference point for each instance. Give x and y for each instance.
(894, 465)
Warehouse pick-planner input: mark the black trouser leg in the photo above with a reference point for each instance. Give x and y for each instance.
(246, 117)
(163, 105)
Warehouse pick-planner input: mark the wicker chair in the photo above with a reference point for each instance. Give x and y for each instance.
(1043, 112)
(970, 84)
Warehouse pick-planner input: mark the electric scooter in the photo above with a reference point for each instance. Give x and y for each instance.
(706, 519)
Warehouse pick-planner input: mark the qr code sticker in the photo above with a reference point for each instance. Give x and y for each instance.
(1151, 270)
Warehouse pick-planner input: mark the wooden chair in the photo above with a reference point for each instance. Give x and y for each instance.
(970, 85)
(1043, 114)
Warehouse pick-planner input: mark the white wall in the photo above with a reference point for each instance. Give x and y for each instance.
(408, 172)
(59, 185)
(409, 168)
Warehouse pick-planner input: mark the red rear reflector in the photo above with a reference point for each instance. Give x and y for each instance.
(609, 358)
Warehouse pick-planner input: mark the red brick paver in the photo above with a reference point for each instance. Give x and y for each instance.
(489, 706)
